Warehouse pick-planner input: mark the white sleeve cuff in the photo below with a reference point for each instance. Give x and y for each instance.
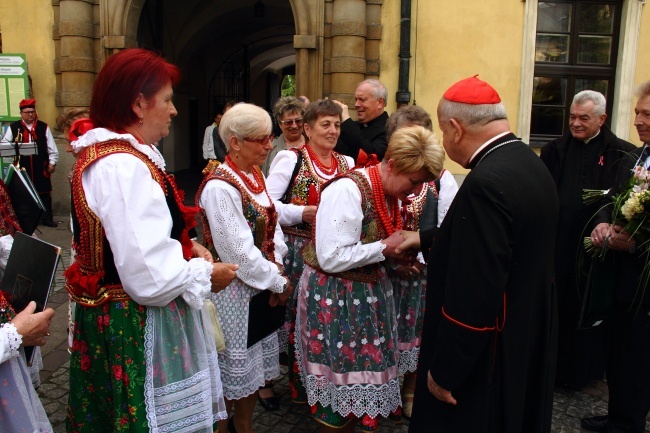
(200, 285)
(11, 340)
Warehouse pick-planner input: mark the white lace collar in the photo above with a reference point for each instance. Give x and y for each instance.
(99, 135)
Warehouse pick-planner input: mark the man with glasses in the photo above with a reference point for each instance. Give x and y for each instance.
(39, 167)
(288, 113)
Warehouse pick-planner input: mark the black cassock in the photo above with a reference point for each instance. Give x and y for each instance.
(490, 323)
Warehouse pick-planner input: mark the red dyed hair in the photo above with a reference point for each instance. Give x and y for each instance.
(124, 76)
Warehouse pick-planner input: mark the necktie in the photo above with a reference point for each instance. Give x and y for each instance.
(644, 155)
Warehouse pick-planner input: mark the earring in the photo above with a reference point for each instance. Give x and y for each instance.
(140, 122)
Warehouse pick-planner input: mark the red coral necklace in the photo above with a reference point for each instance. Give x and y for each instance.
(255, 189)
(380, 203)
(317, 162)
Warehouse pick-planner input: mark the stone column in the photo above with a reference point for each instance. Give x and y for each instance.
(76, 60)
(348, 62)
(308, 42)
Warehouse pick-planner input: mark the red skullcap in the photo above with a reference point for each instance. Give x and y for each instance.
(472, 91)
(27, 103)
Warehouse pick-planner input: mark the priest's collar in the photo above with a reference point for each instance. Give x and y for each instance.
(486, 144)
(589, 139)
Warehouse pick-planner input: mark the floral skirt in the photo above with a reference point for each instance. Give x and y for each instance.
(141, 369)
(293, 267)
(409, 303)
(346, 344)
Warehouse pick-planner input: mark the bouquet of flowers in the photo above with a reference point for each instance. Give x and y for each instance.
(631, 210)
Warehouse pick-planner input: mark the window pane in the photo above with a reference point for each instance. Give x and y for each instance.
(547, 121)
(592, 84)
(594, 18)
(553, 17)
(552, 48)
(595, 49)
(549, 90)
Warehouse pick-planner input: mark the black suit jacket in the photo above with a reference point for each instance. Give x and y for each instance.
(489, 327)
(371, 137)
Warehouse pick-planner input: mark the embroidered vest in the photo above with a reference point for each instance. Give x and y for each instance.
(93, 279)
(412, 210)
(307, 183)
(371, 231)
(35, 163)
(261, 219)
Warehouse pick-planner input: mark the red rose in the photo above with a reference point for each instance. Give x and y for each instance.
(117, 372)
(85, 362)
(324, 316)
(315, 347)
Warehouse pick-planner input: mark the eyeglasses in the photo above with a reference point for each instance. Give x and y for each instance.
(261, 141)
(288, 122)
(28, 112)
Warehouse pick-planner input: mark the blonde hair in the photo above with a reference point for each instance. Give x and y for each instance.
(244, 120)
(413, 148)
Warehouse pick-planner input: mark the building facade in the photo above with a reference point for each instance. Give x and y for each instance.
(537, 54)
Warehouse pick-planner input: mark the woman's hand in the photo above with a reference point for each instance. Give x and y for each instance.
(222, 275)
(281, 298)
(406, 272)
(33, 327)
(309, 214)
(200, 251)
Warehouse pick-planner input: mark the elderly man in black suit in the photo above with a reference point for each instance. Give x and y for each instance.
(489, 339)
(627, 331)
(368, 133)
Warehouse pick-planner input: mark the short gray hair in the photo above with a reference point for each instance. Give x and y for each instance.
(378, 90)
(471, 114)
(288, 104)
(600, 104)
(408, 115)
(244, 120)
(643, 90)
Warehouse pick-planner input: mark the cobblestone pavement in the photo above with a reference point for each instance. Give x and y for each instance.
(568, 406)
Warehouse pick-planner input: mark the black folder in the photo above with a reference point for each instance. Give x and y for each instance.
(24, 198)
(263, 320)
(29, 274)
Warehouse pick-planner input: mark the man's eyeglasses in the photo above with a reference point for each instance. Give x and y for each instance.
(261, 141)
(288, 122)
(28, 112)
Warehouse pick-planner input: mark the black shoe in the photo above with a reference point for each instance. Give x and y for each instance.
(49, 223)
(595, 423)
(270, 403)
(231, 425)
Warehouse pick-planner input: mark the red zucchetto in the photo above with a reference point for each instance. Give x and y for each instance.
(27, 103)
(472, 91)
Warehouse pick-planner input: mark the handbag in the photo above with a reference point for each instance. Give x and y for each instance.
(219, 339)
(598, 299)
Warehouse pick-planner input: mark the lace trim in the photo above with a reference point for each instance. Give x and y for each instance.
(13, 338)
(407, 360)
(359, 399)
(199, 285)
(99, 135)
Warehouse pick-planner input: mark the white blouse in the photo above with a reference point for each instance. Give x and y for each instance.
(278, 181)
(338, 229)
(233, 238)
(132, 208)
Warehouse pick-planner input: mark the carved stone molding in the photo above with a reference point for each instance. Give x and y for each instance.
(348, 64)
(349, 28)
(76, 28)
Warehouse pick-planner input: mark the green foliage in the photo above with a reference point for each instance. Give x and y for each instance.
(289, 85)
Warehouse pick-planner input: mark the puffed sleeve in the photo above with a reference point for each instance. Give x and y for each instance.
(277, 183)
(338, 230)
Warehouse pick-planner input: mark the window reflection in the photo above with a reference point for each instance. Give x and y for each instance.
(552, 48)
(595, 49)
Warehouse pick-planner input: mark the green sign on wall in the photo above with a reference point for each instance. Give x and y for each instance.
(14, 85)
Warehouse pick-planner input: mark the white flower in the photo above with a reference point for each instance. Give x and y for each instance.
(317, 297)
(369, 299)
(340, 302)
(376, 342)
(382, 338)
(320, 336)
(407, 317)
(339, 344)
(364, 340)
(328, 301)
(356, 302)
(353, 344)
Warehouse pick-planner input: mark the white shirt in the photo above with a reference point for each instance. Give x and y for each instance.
(52, 151)
(338, 229)
(208, 144)
(280, 173)
(132, 208)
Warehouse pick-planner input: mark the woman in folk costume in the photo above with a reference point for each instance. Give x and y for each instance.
(242, 223)
(294, 184)
(143, 355)
(20, 408)
(346, 335)
(427, 210)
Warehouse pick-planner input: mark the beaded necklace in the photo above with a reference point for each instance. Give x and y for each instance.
(255, 189)
(380, 203)
(316, 161)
